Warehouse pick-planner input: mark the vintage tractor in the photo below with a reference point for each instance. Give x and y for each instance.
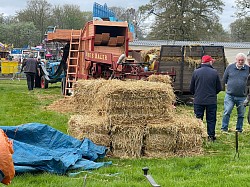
(51, 72)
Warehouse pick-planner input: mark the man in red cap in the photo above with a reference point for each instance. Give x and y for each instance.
(205, 85)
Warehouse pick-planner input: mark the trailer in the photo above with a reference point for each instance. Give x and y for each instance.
(185, 59)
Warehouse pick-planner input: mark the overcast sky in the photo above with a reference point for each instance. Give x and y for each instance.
(9, 7)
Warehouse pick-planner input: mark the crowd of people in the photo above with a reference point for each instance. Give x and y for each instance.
(205, 85)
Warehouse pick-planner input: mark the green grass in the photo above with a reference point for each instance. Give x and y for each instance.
(216, 168)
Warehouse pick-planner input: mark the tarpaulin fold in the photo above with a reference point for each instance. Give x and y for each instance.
(39, 147)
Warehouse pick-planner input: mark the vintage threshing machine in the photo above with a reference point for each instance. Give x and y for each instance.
(101, 50)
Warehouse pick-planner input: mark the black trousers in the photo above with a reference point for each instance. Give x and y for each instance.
(211, 110)
(30, 80)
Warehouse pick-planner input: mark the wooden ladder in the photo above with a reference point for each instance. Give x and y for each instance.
(72, 62)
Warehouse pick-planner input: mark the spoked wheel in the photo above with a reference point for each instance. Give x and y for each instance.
(44, 83)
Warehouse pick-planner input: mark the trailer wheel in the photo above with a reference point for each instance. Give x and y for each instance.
(44, 83)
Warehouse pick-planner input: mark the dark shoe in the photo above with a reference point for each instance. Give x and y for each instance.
(240, 131)
(211, 138)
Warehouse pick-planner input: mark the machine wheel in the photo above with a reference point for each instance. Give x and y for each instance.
(63, 85)
(44, 83)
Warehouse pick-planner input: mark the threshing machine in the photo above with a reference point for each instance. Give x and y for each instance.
(101, 50)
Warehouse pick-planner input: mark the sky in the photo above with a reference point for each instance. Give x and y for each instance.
(9, 7)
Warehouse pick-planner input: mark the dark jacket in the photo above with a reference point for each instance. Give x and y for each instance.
(30, 65)
(205, 85)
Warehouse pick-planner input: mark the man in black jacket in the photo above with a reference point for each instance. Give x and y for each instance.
(30, 67)
(205, 85)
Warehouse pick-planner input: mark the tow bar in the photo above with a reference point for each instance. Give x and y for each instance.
(149, 177)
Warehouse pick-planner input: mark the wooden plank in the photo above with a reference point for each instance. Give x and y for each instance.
(112, 41)
(98, 39)
(105, 38)
(171, 51)
(114, 50)
(193, 51)
(120, 40)
(61, 35)
(110, 23)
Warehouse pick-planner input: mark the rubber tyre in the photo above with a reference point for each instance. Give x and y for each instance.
(44, 83)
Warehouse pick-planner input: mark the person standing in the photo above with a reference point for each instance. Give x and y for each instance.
(205, 85)
(38, 73)
(30, 67)
(235, 77)
(65, 56)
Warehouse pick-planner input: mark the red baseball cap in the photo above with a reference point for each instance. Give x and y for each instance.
(207, 58)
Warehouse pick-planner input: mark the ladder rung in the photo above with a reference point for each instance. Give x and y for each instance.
(69, 88)
(71, 80)
(72, 73)
(73, 50)
(73, 58)
(72, 65)
(74, 42)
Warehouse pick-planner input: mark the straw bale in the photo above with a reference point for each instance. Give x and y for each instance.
(125, 99)
(161, 137)
(127, 141)
(160, 78)
(95, 128)
(183, 135)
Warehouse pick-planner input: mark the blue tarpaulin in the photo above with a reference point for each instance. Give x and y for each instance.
(39, 147)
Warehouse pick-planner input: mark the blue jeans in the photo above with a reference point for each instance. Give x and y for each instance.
(210, 116)
(229, 102)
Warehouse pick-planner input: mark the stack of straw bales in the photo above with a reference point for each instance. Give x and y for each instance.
(133, 118)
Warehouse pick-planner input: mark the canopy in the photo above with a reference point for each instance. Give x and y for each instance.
(39, 147)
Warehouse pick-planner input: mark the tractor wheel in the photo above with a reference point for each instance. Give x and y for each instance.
(44, 83)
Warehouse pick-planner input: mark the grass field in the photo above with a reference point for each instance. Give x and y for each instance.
(216, 168)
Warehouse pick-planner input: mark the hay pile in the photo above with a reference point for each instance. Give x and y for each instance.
(124, 100)
(134, 118)
(160, 78)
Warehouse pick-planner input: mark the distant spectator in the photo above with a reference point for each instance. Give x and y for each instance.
(38, 73)
(30, 67)
(65, 56)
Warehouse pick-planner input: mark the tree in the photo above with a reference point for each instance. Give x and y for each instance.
(37, 12)
(134, 17)
(242, 8)
(69, 17)
(240, 30)
(19, 34)
(184, 19)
